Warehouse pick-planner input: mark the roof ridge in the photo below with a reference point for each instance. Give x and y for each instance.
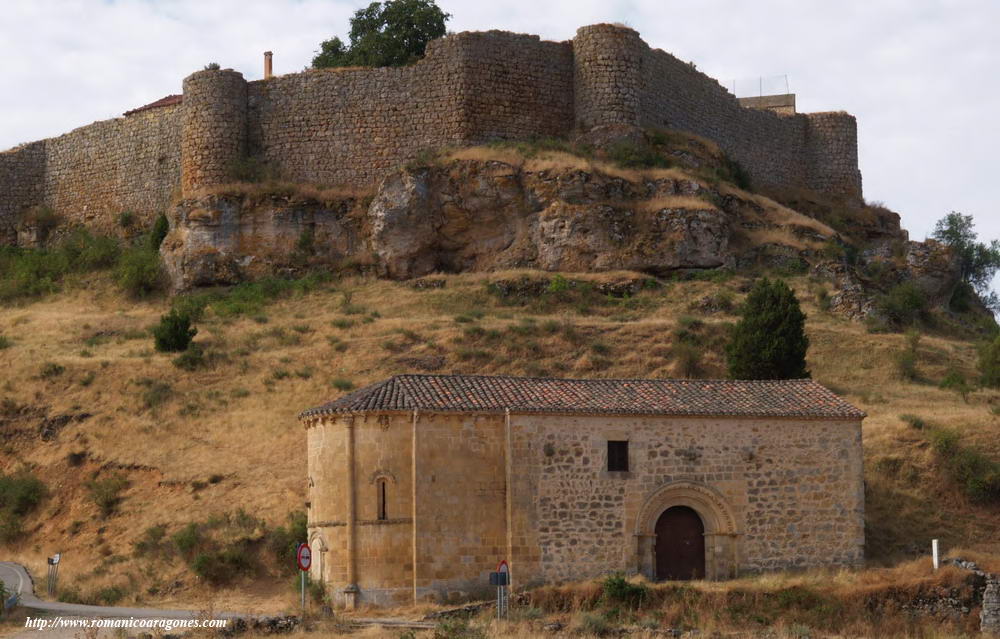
(493, 393)
(608, 379)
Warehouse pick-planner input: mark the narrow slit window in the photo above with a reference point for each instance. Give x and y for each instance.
(618, 456)
(381, 500)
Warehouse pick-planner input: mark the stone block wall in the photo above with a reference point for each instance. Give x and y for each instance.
(214, 131)
(22, 180)
(353, 126)
(788, 493)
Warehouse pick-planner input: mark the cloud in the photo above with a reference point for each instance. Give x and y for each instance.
(918, 74)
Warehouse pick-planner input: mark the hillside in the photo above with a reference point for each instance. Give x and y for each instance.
(85, 397)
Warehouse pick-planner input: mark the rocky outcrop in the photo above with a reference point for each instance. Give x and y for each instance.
(491, 214)
(225, 239)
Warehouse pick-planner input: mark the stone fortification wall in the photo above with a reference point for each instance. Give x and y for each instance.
(353, 126)
(92, 174)
(621, 80)
(356, 125)
(22, 178)
(214, 130)
(132, 164)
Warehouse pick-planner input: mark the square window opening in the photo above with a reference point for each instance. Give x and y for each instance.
(617, 456)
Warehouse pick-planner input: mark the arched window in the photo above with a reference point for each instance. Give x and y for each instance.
(380, 486)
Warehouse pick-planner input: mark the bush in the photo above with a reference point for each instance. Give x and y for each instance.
(617, 589)
(914, 421)
(955, 380)
(989, 364)
(139, 272)
(126, 219)
(457, 629)
(219, 567)
(904, 305)
(284, 542)
(106, 493)
(159, 231)
(688, 360)
(906, 359)
(632, 155)
(151, 543)
(769, 342)
(5, 342)
(594, 624)
(174, 332)
(977, 474)
(20, 494)
(191, 359)
(187, 539)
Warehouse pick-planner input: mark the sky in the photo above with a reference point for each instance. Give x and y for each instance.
(920, 75)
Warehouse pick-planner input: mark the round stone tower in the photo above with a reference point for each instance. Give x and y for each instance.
(607, 75)
(833, 154)
(214, 128)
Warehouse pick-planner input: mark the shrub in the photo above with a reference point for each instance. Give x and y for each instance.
(191, 359)
(159, 231)
(594, 624)
(342, 384)
(44, 219)
(126, 219)
(187, 539)
(156, 393)
(989, 364)
(769, 342)
(106, 493)
(632, 155)
(977, 474)
(212, 66)
(688, 359)
(458, 629)
(914, 421)
(617, 589)
(906, 359)
(174, 332)
(283, 542)
(904, 305)
(219, 567)
(5, 342)
(955, 380)
(51, 369)
(85, 252)
(20, 494)
(139, 272)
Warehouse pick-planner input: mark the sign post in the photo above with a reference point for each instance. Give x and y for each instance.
(303, 557)
(53, 574)
(501, 579)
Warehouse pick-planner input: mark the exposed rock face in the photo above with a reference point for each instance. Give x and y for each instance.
(489, 214)
(933, 268)
(475, 217)
(227, 239)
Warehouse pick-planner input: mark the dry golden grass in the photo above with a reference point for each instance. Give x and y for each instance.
(676, 202)
(309, 192)
(228, 420)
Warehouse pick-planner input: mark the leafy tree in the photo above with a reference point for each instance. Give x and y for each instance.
(385, 34)
(769, 342)
(979, 262)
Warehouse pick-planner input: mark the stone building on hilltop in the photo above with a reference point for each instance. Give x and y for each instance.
(420, 484)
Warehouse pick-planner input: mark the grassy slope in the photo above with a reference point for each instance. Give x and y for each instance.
(237, 418)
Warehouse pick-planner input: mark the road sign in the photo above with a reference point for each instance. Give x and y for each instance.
(304, 557)
(501, 579)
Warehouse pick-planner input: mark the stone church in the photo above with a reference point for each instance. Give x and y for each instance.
(420, 484)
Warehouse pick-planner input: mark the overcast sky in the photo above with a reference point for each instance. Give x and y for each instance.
(920, 75)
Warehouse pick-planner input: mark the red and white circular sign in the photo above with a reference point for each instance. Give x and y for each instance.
(304, 557)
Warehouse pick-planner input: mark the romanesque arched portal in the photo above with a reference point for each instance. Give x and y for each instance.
(721, 534)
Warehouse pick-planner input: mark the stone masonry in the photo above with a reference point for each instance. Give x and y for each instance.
(354, 126)
(464, 488)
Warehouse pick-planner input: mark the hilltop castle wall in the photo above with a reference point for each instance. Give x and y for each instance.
(353, 126)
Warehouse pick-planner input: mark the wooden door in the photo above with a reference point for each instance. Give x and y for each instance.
(680, 544)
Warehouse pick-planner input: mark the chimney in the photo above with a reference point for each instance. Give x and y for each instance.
(267, 65)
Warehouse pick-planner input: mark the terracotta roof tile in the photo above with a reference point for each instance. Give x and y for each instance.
(701, 397)
(162, 102)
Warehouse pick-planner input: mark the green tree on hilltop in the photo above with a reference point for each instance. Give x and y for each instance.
(385, 34)
(769, 342)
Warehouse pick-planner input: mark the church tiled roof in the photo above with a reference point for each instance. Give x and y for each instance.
(681, 397)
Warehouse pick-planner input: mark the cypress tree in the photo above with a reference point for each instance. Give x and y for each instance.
(769, 342)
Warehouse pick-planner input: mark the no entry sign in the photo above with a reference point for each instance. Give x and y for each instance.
(304, 557)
